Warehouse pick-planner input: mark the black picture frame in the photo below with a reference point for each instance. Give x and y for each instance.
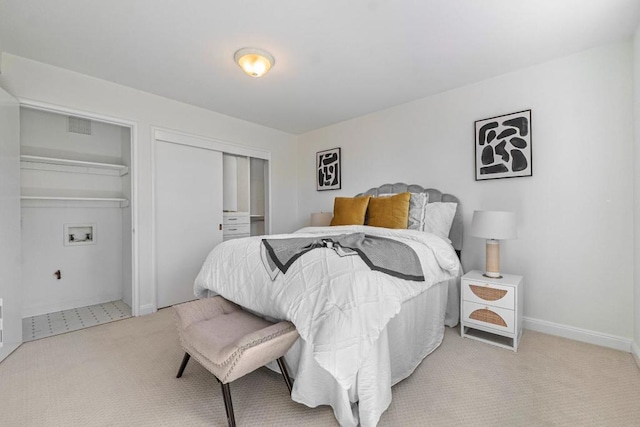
(503, 146)
(328, 170)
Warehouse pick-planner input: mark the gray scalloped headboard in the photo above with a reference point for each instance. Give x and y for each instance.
(455, 235)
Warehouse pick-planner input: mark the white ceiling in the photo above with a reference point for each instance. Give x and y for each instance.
(335, 59)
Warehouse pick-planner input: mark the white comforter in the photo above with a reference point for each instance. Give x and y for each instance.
(337, 304)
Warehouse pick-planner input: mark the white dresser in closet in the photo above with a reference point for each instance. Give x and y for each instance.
(243, 197)
(235, 225)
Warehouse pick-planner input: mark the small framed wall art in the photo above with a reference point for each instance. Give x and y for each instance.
(503, 146)
(328, 169)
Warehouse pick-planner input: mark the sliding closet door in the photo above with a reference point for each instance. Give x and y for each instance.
(188, 212)
(10, 256)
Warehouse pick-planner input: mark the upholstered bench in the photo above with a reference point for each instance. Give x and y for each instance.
(230, 342)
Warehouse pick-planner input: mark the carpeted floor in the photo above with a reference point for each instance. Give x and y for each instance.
(123, 374)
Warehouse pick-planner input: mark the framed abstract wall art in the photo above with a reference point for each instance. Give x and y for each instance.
(503, 146)
(328, 169)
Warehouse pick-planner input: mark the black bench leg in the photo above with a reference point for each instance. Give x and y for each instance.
(228, 406)
(285, 374)
(183, 365)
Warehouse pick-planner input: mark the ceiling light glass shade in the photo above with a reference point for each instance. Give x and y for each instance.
(254, 62)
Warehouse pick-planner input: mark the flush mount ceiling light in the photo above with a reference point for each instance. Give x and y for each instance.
(254, 62)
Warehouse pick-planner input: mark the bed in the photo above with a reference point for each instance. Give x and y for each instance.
(362, 331)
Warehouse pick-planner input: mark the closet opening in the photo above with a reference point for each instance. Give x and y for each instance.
(244, 185)
(77, 223)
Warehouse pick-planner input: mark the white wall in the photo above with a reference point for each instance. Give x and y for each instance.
(636, 180)
(575, 215)
(91, 274)
(45, 133)
(33, 80)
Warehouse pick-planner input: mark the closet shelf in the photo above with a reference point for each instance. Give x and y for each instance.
(70, 202)
(43, 197)
(73, 166)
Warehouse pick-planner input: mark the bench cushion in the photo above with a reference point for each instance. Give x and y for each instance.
(228, 341)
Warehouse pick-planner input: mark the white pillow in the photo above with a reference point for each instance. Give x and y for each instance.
(417, 210)
(439, 217)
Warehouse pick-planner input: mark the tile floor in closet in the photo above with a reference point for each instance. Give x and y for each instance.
(50, 324)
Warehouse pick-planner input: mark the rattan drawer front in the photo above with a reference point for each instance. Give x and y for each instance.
(489, 294)
(488, 316)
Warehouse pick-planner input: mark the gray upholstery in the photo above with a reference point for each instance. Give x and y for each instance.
(228, 341)
(455, 234)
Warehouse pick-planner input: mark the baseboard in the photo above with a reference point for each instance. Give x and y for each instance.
(146, 309)
(635, 350)
(578, 334)
(52, 307)
(7, 349)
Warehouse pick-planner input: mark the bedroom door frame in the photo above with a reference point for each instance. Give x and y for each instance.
(10, 244)
(133, 130)
(207, 143)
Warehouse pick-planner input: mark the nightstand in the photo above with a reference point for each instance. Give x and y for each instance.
(491, 309)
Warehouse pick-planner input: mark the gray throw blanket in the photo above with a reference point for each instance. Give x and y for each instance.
(380, 254)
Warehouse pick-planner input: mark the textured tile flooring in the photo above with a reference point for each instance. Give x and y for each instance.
(50, 324)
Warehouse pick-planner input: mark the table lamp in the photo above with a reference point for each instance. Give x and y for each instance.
(321, 219)
(493, 226)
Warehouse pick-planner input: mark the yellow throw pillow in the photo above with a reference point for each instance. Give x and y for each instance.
(349, 210)
(389, 212)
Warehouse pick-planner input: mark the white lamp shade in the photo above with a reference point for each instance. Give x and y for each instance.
(321, 219)
(495, 225)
